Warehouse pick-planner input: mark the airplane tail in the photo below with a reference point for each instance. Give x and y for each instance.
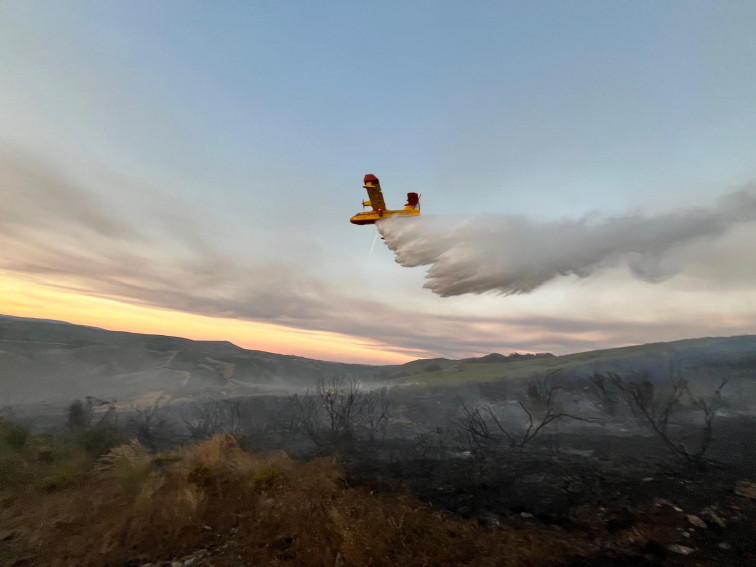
(413, 202)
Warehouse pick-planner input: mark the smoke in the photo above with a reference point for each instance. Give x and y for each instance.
(514, 254)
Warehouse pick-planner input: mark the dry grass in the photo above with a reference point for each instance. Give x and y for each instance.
(128, 465)
(254, 509)
(47, 462)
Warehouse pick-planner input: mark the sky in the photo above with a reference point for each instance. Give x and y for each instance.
(189, 168)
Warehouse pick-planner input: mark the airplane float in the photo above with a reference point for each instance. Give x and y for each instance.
(379, 212)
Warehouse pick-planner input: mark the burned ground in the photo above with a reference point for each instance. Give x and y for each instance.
(502, 461)
(578, 496)
(635, 506)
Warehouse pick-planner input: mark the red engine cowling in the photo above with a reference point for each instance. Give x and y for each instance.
(412, 199)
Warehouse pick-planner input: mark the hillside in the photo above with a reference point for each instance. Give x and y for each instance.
(51, 360)
(705, 359)
(455, 464)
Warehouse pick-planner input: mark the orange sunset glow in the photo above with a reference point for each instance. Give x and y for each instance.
(22, 298)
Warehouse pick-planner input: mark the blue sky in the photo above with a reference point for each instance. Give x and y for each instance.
(254, 122)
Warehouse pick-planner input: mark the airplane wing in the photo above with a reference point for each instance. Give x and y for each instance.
(373, 187)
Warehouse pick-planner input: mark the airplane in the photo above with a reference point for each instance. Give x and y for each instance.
(379, 212)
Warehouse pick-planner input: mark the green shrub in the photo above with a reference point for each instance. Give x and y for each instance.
(98, 440)
(10, 475)
(267, 477)
(14, 435)
(79, 414)
(63, 473)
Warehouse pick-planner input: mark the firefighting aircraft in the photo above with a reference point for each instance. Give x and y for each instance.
(379, 212)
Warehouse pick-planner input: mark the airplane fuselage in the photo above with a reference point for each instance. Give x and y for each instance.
(372, 217)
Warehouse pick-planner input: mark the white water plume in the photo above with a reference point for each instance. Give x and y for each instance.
(515, 254)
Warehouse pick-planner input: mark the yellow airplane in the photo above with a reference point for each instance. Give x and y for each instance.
(379, 212)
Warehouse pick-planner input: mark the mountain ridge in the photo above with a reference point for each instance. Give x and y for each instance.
(45, 359)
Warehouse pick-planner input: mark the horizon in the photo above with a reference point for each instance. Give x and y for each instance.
(55, 321)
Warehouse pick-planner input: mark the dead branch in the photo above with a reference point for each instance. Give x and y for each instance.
(655, 411)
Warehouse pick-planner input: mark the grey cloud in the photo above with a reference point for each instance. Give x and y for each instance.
(81, 243)
(34, 194)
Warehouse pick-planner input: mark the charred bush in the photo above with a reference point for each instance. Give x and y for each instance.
(656, 408)
(339, 411)
(542, 406)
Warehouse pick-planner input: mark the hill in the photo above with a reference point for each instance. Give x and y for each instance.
(52, 360)
(704, 359)
(56, 361)
(435, 471)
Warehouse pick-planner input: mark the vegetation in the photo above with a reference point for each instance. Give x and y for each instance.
(542, 406)
(216, 498)
(492, 487)
(211, 417)
(45, 461)
(656, 408)
(339, 411)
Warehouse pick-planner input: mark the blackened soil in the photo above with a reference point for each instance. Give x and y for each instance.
(640, 508)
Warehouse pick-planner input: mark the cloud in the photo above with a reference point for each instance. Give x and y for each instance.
(57, 231)
(36, 196)
(515, 254)
(149, 250)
